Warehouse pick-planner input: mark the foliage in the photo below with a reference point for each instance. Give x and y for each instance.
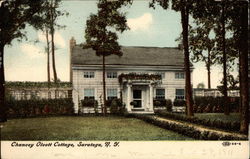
(179, 102)
(100, 31)
(163, 103)
(16, 14)
(89, 103)
(35, 107)
(214, 123)
(135, 76)
(187, 130)
(117, 107)
(200, 85)
(215, 104)
(29, 84)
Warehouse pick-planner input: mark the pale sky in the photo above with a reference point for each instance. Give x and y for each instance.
(26, 60)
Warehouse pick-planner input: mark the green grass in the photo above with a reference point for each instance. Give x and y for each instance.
(85, 128)
(219, 116)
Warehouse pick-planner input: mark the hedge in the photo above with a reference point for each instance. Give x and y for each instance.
(39, 107)
(230, 126)
(215, 104)
(186, 130)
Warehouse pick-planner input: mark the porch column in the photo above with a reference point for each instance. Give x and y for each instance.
(151, 94)
(129, 97)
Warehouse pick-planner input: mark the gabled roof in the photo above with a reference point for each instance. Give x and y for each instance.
(138, 56)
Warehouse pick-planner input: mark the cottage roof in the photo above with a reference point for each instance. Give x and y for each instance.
(140, 56)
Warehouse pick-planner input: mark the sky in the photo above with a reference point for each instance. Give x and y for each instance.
(26, 60)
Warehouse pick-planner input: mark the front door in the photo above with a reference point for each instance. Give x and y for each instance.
(137, 97)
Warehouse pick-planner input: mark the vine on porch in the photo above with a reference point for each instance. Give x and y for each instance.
(135, 76)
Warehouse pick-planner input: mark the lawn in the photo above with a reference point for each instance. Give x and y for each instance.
(219, 116)
(85, 128)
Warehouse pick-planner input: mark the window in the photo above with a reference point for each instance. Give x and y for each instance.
(179, 94)
(111, 74)
(89, 94)
(89, 75)
(179, 75)
(112, 93)
(160, 94)
(162, 74)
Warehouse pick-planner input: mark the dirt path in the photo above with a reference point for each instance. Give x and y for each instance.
(201, 128)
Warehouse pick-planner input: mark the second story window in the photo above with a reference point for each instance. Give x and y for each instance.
(111, 74)
(179, 75)
(89, 75)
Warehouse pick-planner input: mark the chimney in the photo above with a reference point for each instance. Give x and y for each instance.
(72, 43)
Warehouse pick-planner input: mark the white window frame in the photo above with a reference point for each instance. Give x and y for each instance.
(86, 94)
(179, 75)
(180, 96)
(160, 96)
(89, 74)
(112, 75)
(112, 95)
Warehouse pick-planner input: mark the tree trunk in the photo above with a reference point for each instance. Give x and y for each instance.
(52, 41)
(244, 92)
(48, 59)
(104, 84)
(225, 103)
(188, 87)
(3, 116)
(208, 70)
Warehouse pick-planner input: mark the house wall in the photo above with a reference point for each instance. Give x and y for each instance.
(169, 83)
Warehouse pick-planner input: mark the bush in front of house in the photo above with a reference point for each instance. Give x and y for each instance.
(89, 103)
(117, 107)
(216, 123)
(179, 102)
(163, 103)
(39, 107)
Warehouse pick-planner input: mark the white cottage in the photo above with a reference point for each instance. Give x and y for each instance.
(131, 77)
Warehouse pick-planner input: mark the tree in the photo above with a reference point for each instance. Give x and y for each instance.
(15, 15)
(48, 27)
(202, 46)
(201, 85)
(101, 31)
(184, 7)
(243, 48)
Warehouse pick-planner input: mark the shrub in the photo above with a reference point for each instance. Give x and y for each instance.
(38, 107)
(89, 103)
(169, 105)
(215, 104)
(186, 129)
(117, 107)
(231, 126)
(179, 102)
